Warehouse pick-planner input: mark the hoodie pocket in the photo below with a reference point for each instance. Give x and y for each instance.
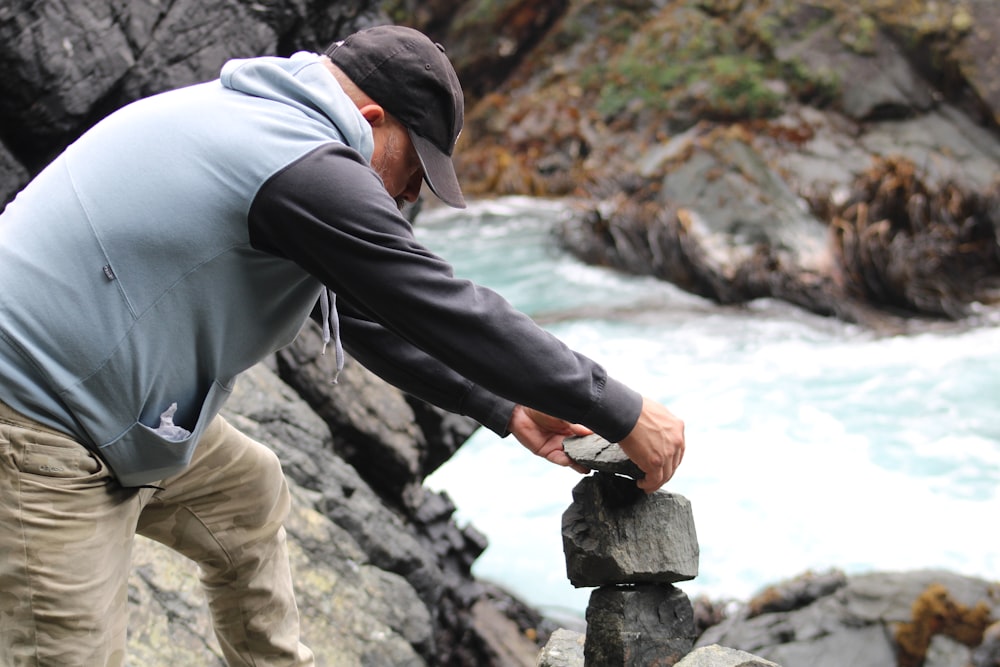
(142, 456)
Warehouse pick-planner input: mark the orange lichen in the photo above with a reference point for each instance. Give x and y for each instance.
(935, 612)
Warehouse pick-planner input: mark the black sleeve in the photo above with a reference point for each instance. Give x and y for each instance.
(415, 372)
(329, 213)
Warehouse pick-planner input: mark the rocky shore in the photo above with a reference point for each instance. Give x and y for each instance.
(841, 156)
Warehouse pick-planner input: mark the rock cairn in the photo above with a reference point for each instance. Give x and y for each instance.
(631, 547)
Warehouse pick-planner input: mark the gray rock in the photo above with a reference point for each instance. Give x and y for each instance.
(66, 64)
(720, 656)
(364, 415)
(58, 62)
(508, 645)
(852, 624)
(858, 647)
(353, 611)
(883, 83)
(374, 426)
(564, 649)
(596, 453)
(266, 409)
(797, 592)
(748, 205)
(987, 654)
(947, 652)
(613, 533)
(13, 176)
(945, 143)
(647, 625)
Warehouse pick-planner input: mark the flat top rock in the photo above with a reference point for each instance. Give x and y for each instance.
(721, 656)
(596, 453)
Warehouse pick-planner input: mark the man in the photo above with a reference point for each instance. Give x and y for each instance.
(179, 242)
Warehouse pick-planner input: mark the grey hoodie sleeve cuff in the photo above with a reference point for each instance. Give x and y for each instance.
(617, 413)
(488, 409)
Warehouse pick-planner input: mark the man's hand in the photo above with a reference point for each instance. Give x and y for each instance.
(544, 435)
(656, 445)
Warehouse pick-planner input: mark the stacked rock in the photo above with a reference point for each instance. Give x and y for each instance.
(632, 547)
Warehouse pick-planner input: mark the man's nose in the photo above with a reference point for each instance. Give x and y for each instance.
(412, 190)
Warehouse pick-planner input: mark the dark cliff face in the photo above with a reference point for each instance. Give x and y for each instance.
(65, 65)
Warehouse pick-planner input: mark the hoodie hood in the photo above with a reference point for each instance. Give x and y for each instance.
(303, 82)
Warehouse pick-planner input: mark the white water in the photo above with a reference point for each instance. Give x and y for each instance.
(811, 443)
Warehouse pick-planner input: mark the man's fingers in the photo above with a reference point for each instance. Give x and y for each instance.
(653, 480)
(660, 476)
(559, 457)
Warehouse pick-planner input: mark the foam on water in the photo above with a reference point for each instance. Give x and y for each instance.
(811, 443)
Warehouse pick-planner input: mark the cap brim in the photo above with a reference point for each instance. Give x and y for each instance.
(439, 172)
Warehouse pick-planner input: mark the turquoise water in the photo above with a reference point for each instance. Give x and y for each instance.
(811, 443)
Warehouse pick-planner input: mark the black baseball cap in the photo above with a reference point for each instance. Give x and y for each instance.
(410, 76)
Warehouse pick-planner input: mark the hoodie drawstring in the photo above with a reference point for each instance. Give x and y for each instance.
(331, 327)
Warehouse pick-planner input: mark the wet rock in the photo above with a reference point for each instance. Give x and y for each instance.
(613, 533)
(647, 625)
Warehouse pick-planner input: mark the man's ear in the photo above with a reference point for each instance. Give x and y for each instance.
(373, 113)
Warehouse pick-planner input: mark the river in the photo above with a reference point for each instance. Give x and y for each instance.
(812, 444)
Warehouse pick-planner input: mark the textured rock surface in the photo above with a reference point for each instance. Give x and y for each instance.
(596, 453)
(720, 656)
(375, 427)
(353, 611)
(564, 649)
(647, 625)
(65, 65)
(854, 624)
(614, 533)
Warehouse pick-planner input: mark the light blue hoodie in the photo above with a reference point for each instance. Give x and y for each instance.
(126, 269)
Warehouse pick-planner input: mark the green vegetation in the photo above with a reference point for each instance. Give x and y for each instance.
(718, 85)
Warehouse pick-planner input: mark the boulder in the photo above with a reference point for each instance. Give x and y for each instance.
(425, 546)
(375, 428)
(646, 625)
(614, 533)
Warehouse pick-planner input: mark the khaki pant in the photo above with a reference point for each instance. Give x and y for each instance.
(66, 532)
